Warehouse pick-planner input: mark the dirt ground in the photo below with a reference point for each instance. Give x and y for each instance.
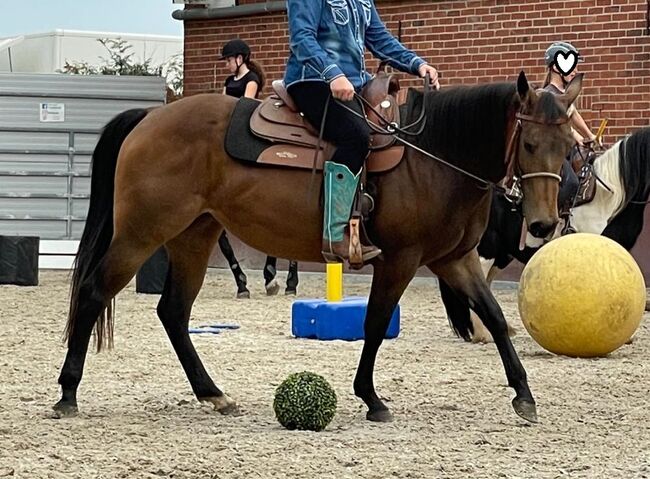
(453, 419)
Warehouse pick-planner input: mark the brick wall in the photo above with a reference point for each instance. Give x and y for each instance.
(474, 42)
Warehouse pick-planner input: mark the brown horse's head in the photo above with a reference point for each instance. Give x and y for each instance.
(544, 142)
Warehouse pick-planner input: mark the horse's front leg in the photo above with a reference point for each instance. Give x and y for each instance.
(466, 279)
(389, 281)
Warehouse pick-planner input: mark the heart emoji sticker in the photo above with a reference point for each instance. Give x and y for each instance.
(566, 62)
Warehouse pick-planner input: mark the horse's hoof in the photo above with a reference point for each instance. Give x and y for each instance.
(525, 409)
(482, 338)
(382, 415)
(480, 334)
(230, 410)
(65, 409)
(290, 292)
(272, 288)
(244, 294)
(223, 404)
(512, 331)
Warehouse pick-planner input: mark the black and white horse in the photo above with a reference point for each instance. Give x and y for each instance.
(616, 213)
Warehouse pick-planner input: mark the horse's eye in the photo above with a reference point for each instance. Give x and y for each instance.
(530, 148)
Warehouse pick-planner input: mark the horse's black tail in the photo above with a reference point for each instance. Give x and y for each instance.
(458, 312)
(98, 230)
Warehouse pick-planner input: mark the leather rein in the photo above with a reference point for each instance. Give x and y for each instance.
(511, 158)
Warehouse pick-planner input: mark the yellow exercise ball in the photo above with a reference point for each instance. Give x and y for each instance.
(582, 295)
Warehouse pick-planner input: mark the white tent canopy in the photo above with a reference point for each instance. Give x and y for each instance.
(47, 52)
(6, 59)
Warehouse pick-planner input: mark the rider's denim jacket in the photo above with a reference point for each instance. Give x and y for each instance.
(327, 39)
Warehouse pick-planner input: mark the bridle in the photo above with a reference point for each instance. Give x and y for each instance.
(514, 178)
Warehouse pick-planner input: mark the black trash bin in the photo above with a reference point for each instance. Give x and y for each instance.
(19, 260)
(151, 276)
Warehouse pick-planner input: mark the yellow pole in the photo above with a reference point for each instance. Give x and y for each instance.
(601, 129)
(334, 281)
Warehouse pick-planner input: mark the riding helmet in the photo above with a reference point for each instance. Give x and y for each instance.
(235, 47)
(564, 47)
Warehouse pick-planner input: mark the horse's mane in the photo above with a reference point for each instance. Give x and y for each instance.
(634, 154)
(634, 168)
(466, 125)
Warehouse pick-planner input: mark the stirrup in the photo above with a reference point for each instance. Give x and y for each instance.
(357, 253)
(331, 257)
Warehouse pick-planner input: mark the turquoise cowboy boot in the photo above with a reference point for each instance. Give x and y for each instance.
(340, 188)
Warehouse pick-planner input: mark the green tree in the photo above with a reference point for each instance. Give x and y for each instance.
(120, 62)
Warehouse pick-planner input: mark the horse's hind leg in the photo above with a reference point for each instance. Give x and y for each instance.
(240, 276)
(270, 271)
(292, 278)
(123, 257)
(466, 279)
(188, 260)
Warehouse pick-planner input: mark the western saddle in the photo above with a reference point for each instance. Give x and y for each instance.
(278, 120)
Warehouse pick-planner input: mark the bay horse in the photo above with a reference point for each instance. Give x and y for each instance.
(162, 177)
(616, 211)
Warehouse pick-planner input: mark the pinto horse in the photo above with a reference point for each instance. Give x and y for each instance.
(162, 177)
(616, 211)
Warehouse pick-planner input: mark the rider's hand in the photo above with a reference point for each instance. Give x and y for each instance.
(599, 141)
(342, 89)
(592, 141)
(433, 74)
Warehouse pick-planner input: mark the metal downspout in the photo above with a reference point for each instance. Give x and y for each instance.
(230, 12)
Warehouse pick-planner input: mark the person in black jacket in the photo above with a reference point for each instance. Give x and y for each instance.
(247, 80)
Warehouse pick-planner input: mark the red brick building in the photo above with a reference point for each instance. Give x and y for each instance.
(469, 41)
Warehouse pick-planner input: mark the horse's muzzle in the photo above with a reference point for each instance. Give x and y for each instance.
(541, 229)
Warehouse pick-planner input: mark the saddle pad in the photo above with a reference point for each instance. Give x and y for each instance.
(240, 143)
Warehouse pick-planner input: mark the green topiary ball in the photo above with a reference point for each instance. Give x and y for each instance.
(305, 401)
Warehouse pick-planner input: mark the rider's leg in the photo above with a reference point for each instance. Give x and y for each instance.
(351, 136)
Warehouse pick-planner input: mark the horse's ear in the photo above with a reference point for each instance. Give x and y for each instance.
(572, 90)
(523, 88)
